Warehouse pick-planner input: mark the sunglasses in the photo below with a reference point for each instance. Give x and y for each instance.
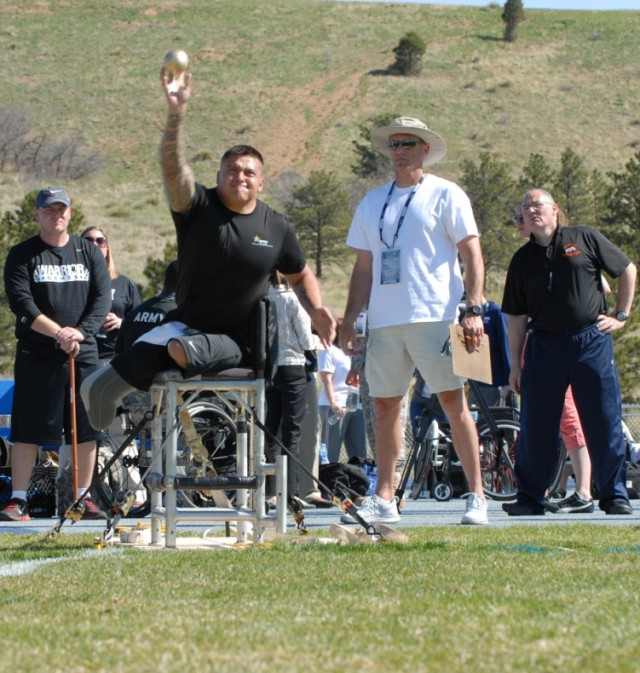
(406, 144)
(536, 205)
(100, 241)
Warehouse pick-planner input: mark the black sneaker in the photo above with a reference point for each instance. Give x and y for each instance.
(522, 509)
(616, 506)
(16, 510)
(574, 504)
(92, 511)
(551, 505)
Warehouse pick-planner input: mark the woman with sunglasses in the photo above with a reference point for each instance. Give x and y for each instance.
(124, 296)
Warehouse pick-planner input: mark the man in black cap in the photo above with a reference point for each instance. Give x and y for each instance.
(59, 288)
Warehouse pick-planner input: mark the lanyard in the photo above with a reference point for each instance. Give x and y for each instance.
(402, 214)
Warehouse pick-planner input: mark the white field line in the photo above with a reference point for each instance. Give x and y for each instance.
(16, 568)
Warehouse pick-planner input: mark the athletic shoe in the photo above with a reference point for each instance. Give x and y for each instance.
(321, 503)
(574, 504)
(522, 509)
(375, 510)
(476, 513)
(300, 503)
(16, 510)
(92, 511)
(616, 506)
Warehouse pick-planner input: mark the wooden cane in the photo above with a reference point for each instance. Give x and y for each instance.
(74, 428)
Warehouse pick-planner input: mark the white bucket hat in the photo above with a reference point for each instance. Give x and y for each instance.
(410, 126)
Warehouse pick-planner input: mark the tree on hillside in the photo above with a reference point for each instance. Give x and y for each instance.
(537, 174)
(409, 52)
(621, 223)
(572, 189)
(320, 215)
(155, 268)
(599, 193)
(512, 15)
(17, 226)
(493, 193)
(369, 162)
(623, 207)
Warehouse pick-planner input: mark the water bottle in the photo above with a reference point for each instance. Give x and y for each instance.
(372, 473)
(332, 419)
(324, 456)
(352, 400)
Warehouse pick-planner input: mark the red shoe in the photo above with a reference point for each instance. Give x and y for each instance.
(16, 510)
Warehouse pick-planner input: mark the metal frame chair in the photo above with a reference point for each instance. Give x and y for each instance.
(243, 392)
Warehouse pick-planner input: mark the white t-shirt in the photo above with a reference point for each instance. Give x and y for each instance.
(334, 361)
(430, 282)
(294, 327)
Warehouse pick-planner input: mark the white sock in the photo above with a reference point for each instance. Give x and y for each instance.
(19, 495)
(82, 491)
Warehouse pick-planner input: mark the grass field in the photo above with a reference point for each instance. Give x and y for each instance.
(525, 599)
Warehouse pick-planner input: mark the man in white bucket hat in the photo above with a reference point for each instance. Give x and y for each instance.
(407, 235)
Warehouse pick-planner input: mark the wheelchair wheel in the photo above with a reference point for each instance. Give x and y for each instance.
(217, 432)
(422, 469)
(442, 491)
(498, 458)
(116, 480)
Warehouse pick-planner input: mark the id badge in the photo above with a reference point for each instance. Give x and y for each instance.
(390, 271)
(361, 324)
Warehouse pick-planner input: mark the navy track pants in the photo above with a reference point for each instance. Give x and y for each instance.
(583, 358)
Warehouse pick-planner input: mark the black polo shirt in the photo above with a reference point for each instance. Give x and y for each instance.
(226, 259)
(559, 286)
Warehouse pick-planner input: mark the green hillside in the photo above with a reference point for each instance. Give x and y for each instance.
(295, 78)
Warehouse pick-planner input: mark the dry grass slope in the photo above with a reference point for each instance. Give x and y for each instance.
(295, 78)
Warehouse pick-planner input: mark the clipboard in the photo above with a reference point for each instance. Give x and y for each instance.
(476, 365)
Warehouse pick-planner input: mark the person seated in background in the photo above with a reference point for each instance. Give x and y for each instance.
(142, 319)
(149, 313)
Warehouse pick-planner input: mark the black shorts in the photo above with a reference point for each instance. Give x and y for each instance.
(41, 401)
(206, 354)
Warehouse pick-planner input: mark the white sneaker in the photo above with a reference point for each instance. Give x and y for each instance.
(476, 514)
(375, 510)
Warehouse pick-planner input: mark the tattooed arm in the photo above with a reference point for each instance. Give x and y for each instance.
(179, 181)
